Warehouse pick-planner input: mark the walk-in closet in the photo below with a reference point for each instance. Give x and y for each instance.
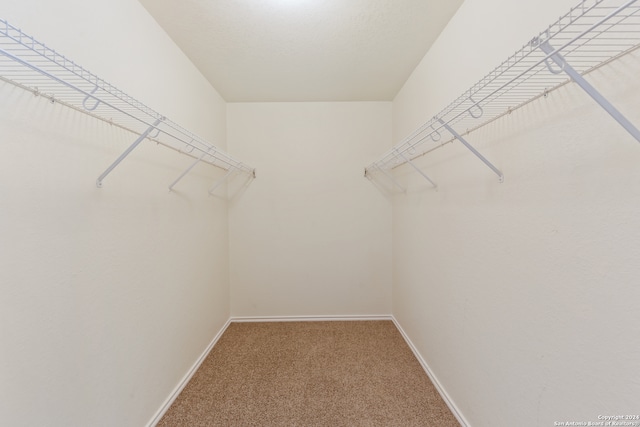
(320, 213)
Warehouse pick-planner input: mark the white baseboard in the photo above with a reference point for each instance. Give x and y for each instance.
(452, 406)
(185, 380)
(322, 318)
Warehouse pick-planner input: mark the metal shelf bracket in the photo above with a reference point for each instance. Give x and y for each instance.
(564, 66)
(219, 182)
(393, 180)
(473, 150)
(128, 151)
(182, 175)
(417, 169)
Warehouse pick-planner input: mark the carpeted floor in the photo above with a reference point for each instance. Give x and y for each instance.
(310, 374)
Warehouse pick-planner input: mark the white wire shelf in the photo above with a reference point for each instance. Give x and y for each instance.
(591, 34)
(33, 66)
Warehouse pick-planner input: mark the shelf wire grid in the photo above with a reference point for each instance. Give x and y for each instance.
(592, 33)
(33, 66)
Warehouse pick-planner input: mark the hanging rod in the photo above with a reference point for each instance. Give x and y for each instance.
(592, 33)
(31, 65)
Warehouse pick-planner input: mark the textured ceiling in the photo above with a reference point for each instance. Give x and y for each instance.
(304, 50)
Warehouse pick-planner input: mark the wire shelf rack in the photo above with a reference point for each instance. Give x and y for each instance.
(33, 66)
(591, 34)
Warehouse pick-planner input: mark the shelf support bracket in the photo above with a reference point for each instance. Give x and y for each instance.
(393, 180)
(182, 175)
(219, 182)
(586, 86)
(416, 168)
(127, 151)
(473, 150)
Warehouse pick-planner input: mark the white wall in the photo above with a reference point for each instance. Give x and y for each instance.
(108, 296)
(522, 296)
(310, 236)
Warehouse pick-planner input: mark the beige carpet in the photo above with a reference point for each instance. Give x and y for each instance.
(310, 374)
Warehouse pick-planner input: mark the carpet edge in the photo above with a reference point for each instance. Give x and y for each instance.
(187, 377)
(425, 366)
(240, 319)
